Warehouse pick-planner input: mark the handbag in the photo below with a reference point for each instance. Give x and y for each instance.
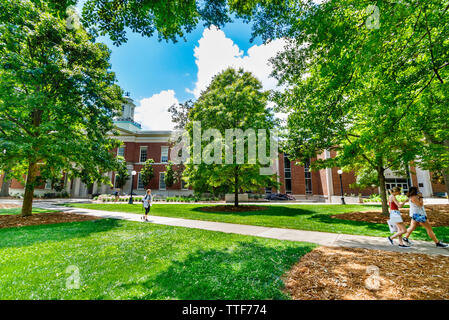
(392, 226)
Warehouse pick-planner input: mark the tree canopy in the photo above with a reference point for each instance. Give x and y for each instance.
(233, 101)
(172, 20)
(57, 98)
(147, 172)
(361, 79)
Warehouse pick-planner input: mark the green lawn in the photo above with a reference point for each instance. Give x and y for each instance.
(18, 211)
(132, 260)
(302, 217)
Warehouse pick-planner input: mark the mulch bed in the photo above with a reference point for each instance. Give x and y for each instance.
(10, 221)
(350, 274)
(438, 216)
(231, 208)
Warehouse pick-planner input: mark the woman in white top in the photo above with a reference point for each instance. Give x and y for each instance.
(147, 204)
(396, 218)
(419, 216)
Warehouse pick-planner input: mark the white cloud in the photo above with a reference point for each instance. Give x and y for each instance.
(215, 52)
(152, 112)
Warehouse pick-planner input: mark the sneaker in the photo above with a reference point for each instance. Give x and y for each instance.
(404, 246)
(391, 241)
(407, 241)
(441, 245)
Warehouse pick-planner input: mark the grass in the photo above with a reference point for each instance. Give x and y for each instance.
(18, 211)
(301, 217)
(130, 260)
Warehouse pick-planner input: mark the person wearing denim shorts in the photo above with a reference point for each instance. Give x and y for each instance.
(419, 216)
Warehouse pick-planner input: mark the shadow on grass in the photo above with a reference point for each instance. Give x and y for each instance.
(244, 271)
(322, 218)
(270, 211)
(15, 211)
(29, 235)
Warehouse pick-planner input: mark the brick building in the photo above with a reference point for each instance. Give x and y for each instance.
(140, 145)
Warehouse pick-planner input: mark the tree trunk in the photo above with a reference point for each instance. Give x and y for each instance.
(446, 181)
(5, 187)
(236, 188)
(27, 205)
(383, 190)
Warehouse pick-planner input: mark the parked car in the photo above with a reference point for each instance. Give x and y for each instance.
(279, 196)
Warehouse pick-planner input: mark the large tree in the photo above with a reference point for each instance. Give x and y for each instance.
(57, 98)
(234, 101)
(357, 74)
(173, 19)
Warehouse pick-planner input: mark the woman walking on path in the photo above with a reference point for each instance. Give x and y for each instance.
(419, 216)
(396, 218)
(147, 204)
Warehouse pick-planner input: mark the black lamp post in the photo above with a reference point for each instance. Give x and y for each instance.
(340, 172)
(133, 173)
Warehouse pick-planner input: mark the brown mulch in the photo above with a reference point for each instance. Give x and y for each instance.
(231, 208)
(10, 221)
(8, 206)
(438, 215)
(350, 274)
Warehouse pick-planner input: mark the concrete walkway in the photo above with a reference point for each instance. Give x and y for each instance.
(321, 238)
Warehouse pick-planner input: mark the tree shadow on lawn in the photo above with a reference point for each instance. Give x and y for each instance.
(271, 211)
(244, 271)
(15, 211)
(29, 235)
(323, 218)
(382, 229)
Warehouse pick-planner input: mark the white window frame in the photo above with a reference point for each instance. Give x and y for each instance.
(118, 151)
(115, 181)
(139, 181)
(163, 179)
(47, 184)
(140, 153)
(183, 188)
(164, 148)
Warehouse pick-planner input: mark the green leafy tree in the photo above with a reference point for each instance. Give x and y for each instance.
(147, 172)
(121, 175)
(173, 19)
(233, 100)
(57, 98)
(180, 113)
(359, 80)
(169, 177)
(366, 177)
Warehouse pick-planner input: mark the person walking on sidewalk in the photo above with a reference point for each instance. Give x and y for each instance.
(147, 204)
(419, 216)
(396, 218)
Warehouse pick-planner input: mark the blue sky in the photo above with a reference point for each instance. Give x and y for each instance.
(158, 74)
(146, 66)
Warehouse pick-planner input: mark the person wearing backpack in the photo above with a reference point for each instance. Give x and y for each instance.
(147, 204)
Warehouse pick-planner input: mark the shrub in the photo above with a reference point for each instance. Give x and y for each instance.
(373, 198)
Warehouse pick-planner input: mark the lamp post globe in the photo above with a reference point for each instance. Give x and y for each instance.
(133, 173)
(340, 172)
